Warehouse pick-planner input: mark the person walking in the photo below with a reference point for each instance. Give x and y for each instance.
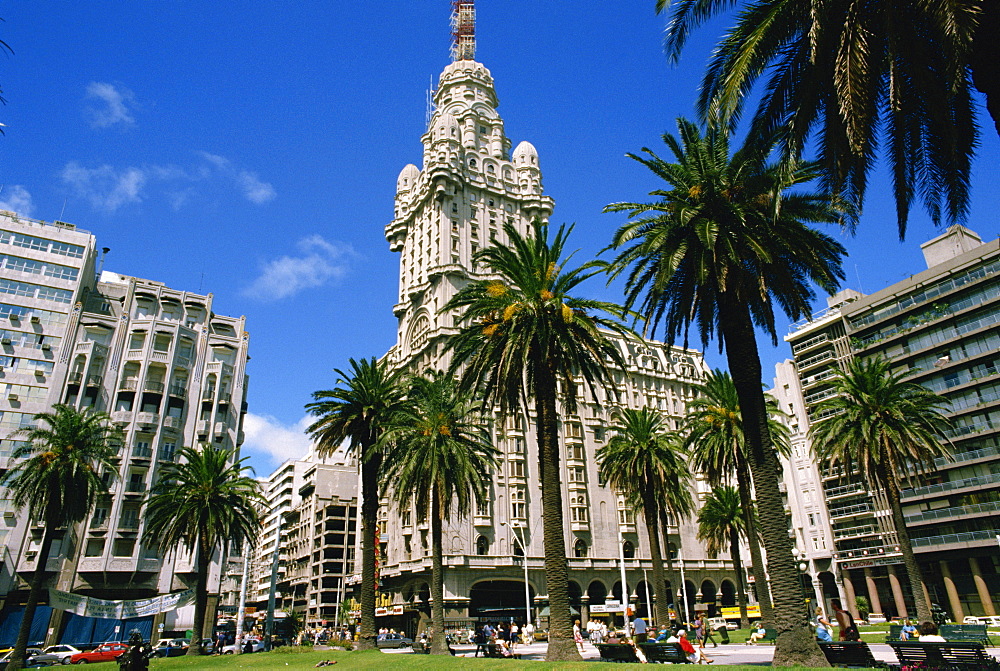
(845, 622)
(824, 630)
(639, 628)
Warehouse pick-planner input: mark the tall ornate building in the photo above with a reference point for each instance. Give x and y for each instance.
(471, 185)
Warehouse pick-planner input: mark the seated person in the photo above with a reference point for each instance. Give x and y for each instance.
(908, 631)
(694, 655)
(757, 634)
(929, 633)
(663, 635)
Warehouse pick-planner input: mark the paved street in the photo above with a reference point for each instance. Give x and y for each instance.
(723, 655)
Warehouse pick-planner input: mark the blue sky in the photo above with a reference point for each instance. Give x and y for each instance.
(251, 150)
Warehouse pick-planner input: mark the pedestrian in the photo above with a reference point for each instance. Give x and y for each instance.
(513, 635)
(578, 636)
(639, 629)
(529, 633)
(845, 621)
(824, 630)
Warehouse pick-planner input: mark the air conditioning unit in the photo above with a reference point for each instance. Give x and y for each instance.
(5, 340)
(46, 347)
(12, 397)
(35, 319)
(14, 316)
(39, 372)
(9, 512)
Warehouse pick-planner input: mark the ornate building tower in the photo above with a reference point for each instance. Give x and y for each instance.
(470, 185)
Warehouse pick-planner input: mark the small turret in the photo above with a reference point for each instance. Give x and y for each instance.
(408, 177)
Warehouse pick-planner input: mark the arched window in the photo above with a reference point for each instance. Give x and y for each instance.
(482, 546)
(580, 548)
(472, 163)
(628, 550)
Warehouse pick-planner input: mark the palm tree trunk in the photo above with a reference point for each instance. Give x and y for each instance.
(439, 645)
(34, 594)
(202, 561)
(656, 558)
(753, 539)
(913, 572)
(370, 468)
(795, 645)
(561, 644)
(675, 575)
(741, 592)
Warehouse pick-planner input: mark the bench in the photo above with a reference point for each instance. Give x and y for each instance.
(966, 633)
(851, 655)
(944, 655)
(663, 653)
(617, 652)
(769, 636)
(495, 652)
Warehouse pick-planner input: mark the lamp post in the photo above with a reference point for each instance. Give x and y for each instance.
(524, 549)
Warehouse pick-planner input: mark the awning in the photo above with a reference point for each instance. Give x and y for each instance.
(544, 612)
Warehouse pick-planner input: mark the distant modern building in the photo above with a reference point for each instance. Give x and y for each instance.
(471, 184)
(162, 363)
(940, 328)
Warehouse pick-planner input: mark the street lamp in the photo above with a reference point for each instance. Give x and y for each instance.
(524, 549)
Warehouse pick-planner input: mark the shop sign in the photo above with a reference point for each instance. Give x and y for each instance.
(874, 561)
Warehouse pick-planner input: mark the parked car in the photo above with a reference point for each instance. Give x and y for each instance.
(233, 648)
(716, 623)
(171, 647)
(394, 641)
(971, 619)
(55, 654)
(106, 652)
(28, 654)
(876, 618)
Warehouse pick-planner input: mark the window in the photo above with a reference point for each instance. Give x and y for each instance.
(574, 431)
(405, 519)
(482, 546)
(515, 469)
(628, 550)
(483, 508)
(576, 474)
(95, 547)
(580, 548)
(518, 509)
(575, 452)
(124, 547)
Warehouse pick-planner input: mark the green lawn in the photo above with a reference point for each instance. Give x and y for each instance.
(294, 658)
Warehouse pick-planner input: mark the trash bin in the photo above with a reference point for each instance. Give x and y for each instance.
(723, 634)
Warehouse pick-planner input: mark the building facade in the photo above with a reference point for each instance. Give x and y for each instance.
(940, 328)
(168, 370)
(471, 184)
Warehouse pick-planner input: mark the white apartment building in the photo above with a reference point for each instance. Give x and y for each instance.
(166, 368)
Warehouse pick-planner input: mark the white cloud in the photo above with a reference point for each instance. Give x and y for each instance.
(15, 198)
(105, 187)
(108, 188)
(319, 262)
(265, 435)
(249, 183)
(113, 103)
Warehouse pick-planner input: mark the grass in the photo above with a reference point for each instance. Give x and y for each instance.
(297, 658)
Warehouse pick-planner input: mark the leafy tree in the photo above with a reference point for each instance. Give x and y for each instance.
(886, 429)
(200, 502)
(642, 462)
(58, 481)
(889, 75)
(714, 434)
(439, 459)
(722, 243)
(721, 524)
(524, 336)
(357, 413)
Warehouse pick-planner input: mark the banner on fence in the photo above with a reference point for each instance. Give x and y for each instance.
(118, 610)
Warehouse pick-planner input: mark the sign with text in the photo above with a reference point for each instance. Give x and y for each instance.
(118, 610)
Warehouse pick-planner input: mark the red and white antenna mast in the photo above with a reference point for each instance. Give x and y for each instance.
(463, 30)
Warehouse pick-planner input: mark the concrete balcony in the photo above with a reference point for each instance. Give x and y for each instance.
(173, 423)
(148, 419)
(121, 416)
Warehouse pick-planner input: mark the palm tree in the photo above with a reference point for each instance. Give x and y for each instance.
(201, 502)
(356, 413)
(636, 461)
(676, 501)
(885, 74)
(439, 459)
(721, 523)
(722, 243)
(714, 431)
(886, 429)
(523, 336)
(58, 481)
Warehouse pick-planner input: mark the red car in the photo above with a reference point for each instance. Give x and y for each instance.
(106, 652)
